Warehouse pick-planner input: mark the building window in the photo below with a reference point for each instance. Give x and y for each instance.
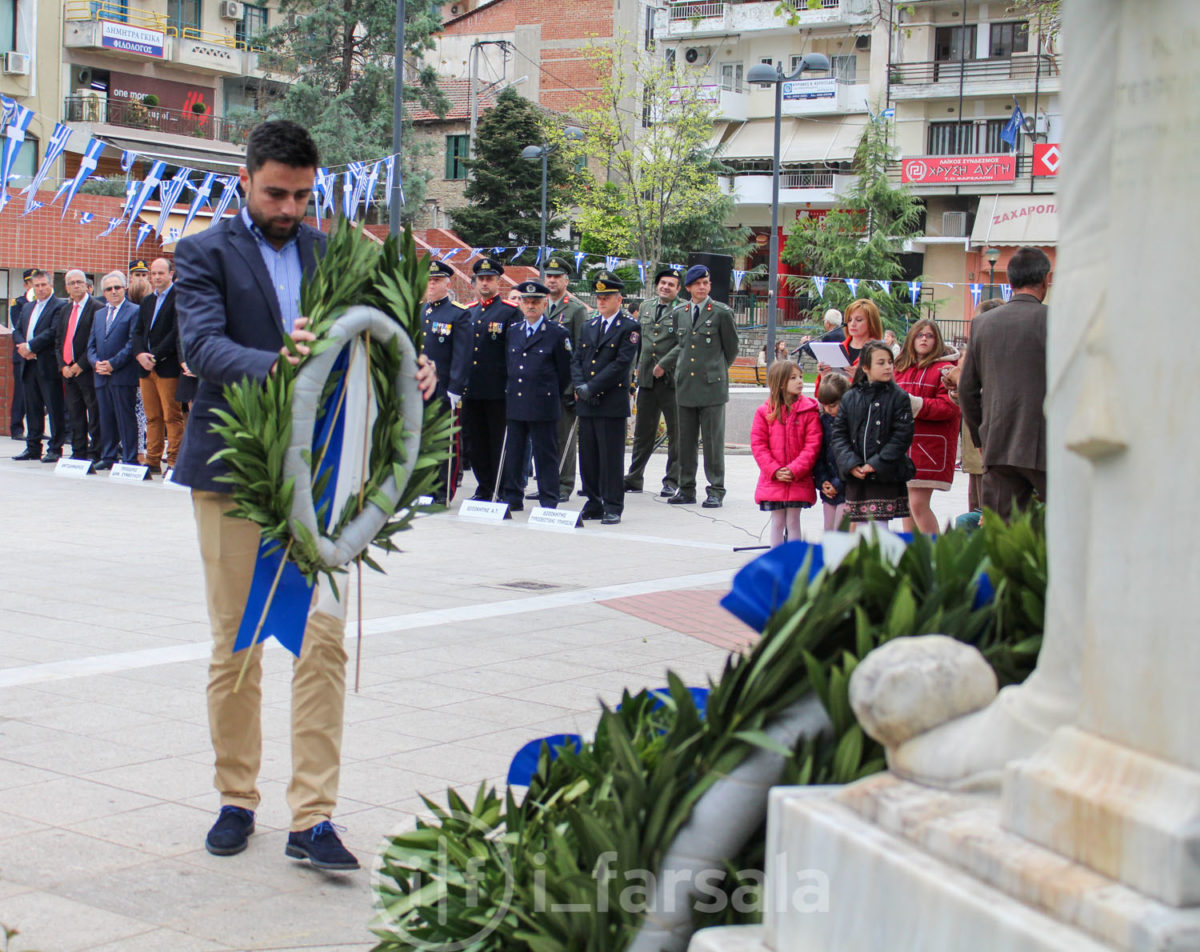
(456, 151)
(251, 25)
(650, 28)
(1009, 38)
(843, 67)
(731, 77)
(966, 138)
(671, 59)
(8, 25)
(25, 167)
(948, 43)
(184, 15)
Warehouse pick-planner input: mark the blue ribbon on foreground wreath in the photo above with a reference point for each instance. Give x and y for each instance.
(287, 613)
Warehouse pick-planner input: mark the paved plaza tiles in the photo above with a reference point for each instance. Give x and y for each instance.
(479, 639)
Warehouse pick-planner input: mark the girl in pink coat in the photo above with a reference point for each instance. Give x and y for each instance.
(785, 440)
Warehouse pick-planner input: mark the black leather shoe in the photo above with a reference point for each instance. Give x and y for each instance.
(29, 456)
(321, 847)
(532, 495)
(564, 497)
(610, 519)
(712, 502)
(52, 457)
(587, 513)
(231, 832)
(103, 464)
(667, 491)
(679, 499)
(630, 488)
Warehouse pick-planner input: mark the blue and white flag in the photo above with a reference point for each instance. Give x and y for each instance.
(398, 182)
(131, 191)
(579, 256)
(8, 109)
(113, 224)
(520, 251)
(86, 218)
(886, 285)
(128, 157)
(976, 294)
(168, 194)
(497, 252)
(173, 235)
(199, 200)
(538, 262)
(229, 184)
(54, 148)
(819, 284)
(14, 137)
(852, 284)
(144, 230)
(611, 262)
(451, 253)
(641, 265)
(151, 182)
(914, 291)
(1006, 292)
(737, 279)
(347, 197)
(358, 174)
(372, 182)
(87, 165)
(32, 207)
(475, 252)
(1014, 127)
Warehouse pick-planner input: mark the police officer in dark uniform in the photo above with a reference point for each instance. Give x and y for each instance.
(600, 372)
(571, 313)
(539, 370)
(448, 343)
(483, 416)
(656, 387)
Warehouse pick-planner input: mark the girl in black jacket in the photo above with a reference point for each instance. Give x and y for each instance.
(871, 436)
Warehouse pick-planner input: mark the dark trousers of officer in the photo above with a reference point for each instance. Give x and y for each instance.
(568, 452)
(41, 397)
(707, 423)
(83, 414)
(602, 462)
(16, 416)
(652, 403)
(483, 424)
(448, 469)
(542, 435)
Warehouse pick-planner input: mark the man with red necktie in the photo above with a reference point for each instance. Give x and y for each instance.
(70, 345)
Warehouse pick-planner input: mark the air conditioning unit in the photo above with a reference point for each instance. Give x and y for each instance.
(698, 54)
(862, 43)
(954, 224)
(16, 64)
(230, 10)
(81, 76)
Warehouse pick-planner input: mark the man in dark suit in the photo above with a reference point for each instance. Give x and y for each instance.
(34, 335)
(155, 346)
(110, 352)
(539, 370)
(71, 347)
(483, 418)
(600, 372)
(448, 343)
(238, 298)
(564, 308)
(16, 420)
(1002, 387)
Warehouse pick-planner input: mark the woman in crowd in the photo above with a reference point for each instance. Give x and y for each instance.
(920, 372)
(862, 324)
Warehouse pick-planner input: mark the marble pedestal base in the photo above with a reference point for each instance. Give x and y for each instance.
(910, 868)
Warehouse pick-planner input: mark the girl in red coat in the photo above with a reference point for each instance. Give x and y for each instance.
(785, 440)
(937, 419)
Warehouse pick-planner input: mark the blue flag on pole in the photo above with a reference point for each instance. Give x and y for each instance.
(1014, 127)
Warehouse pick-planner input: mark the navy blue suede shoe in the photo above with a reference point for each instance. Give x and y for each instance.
(231, 832)
(322, 848)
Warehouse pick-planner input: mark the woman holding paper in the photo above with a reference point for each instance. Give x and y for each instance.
(862, 324)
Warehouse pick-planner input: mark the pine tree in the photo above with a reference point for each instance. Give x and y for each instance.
(862, 237)
(505, 190)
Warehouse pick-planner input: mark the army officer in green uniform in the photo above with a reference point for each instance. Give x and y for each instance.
(656, 387)
(700, 362)
(564, 308)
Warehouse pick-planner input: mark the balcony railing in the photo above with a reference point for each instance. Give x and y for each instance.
(689, 10)
(122, 13)
(806, 180)
(133, 114)
(981, 70)
(710, 9)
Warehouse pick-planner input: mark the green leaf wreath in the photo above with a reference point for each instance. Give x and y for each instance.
(257, 428)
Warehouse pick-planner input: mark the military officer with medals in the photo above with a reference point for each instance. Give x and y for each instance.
(700, 362)
(483, 409)
(539, 371)
(656, 387)
(565, 309)
(600, 373)
(448, 343)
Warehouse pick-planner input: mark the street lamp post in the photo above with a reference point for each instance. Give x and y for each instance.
(992, 255)
(765, 75)
(534, 152)
(397, 121)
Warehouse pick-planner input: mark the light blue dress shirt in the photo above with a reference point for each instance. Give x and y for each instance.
(284, 268)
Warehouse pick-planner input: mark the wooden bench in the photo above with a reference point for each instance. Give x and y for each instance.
(746, 370)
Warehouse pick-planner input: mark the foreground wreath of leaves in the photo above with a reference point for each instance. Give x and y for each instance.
(257, 428)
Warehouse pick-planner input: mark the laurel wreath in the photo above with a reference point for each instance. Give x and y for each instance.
(257, 429)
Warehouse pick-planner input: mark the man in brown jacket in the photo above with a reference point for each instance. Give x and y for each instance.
(1002, 388)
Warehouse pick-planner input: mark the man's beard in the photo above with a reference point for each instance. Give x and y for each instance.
(274, 228)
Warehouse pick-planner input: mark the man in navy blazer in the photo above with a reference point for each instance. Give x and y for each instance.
(70, 347)
(237, 297)
(114, 373)
(33, 335)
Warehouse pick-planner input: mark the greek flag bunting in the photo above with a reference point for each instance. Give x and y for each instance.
(229, 184)
(143, 233)
(372, 181)
(320, 188)
(173, 235)
(168, 194)
(87, 165)
(450, 254)
(152, 180)
(737, 279)
(32, 207)
(347, 197)
(976, 294)
(1006, 292)
(86, 218)
(8, 109)
(113, 224)
(886, 285)
(474, 252)
(358, 172)
(19, 118)
(819, 284)
(914, 291)
(611, 262)
(538, 262)
(852, 284)
(128, 157)
(641, 265)
(54, 148)
(199, 200)
(579, 256)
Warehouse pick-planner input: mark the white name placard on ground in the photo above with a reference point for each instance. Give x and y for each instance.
(483, 511)
(169, 482)
(542, 518)
(72, 468)
(128, 472)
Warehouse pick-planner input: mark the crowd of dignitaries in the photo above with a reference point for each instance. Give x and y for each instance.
(81, 363)
(546, 382)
